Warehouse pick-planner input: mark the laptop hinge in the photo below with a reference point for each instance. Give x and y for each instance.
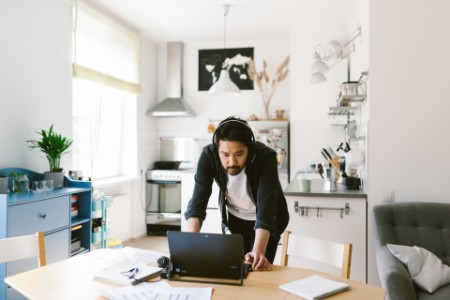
(176, 277)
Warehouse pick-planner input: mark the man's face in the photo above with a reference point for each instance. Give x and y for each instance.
(233, 156)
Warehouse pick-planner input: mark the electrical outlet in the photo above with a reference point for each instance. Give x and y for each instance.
(388, 196)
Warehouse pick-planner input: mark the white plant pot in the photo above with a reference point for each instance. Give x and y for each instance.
(57, 177)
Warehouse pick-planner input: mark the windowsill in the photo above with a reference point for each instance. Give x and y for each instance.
(114, 181)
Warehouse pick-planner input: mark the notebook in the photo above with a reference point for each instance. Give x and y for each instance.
(207, 257)
(128, 272)
(314, 287)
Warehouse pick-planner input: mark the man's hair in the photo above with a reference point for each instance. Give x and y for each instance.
(234, 129)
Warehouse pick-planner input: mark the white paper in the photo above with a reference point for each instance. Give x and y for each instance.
(158, 291)
(314, 287)
(120, 273)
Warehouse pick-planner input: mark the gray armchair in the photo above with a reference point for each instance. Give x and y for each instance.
(423, 224)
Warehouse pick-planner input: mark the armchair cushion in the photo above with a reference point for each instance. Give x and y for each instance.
(421, 224)
(426, 270)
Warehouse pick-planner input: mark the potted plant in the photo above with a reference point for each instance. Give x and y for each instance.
(53, 145)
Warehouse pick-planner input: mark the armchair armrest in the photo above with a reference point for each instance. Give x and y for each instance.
(394, 276)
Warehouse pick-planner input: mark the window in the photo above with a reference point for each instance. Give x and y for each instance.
(103, 138)
(105, 88)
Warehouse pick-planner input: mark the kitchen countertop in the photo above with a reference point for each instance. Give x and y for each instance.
(294, 189)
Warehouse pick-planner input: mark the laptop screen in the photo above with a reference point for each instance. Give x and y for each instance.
(206, 254)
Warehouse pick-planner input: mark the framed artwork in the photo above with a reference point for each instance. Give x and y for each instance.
(210, 64)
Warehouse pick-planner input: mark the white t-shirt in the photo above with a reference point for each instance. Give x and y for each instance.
(239, 203)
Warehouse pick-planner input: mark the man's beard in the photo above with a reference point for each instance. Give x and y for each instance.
(234, 170)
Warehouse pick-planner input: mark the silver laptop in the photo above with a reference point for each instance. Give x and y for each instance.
(207, 257)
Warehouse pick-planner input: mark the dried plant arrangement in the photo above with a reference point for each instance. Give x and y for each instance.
(266, 85)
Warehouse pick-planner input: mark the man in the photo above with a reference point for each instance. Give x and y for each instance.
(250, 198)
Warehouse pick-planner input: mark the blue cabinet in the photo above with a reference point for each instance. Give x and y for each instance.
(66, 233)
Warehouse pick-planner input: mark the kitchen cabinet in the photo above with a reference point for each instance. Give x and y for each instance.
(212, 223)
(63, 214)
(339, 216)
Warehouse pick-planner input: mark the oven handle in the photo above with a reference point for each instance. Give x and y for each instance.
(169, 215)
(153, 181)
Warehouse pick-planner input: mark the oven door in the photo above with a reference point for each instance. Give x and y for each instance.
(163, 202)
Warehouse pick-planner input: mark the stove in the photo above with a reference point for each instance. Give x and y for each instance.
(164, 175)
(163, 182)
(163, 201)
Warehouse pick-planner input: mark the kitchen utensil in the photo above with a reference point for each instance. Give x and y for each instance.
(327, 154)
(323, 153)
(330, 180)
(350, 129)
(333, 160)
(342, 166)
(331, 152)
(320, 169)
(341, 147)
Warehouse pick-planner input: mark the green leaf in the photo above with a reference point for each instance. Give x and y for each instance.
(53, 145)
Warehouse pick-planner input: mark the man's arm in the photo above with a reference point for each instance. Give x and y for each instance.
(193, 225)
(257, 255)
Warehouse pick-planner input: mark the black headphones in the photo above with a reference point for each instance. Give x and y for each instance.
(241, 123)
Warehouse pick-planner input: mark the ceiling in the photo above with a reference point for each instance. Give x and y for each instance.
(203, 20)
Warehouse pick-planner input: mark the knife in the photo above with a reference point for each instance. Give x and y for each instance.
(327, 154)
(326, 158)
(331, 152)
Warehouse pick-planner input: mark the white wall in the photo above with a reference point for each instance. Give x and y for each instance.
(311, 127)
(207, 106)
(36, 91)
(409, 104)
(35, 78)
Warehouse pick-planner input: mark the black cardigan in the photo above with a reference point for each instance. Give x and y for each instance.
(263, 187)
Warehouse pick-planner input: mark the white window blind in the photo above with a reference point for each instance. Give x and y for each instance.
(105, 51)
(106, 59)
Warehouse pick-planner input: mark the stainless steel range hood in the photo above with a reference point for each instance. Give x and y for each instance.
(174, 105)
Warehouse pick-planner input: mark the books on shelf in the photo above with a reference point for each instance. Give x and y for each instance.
(314, 287)
(128, 273)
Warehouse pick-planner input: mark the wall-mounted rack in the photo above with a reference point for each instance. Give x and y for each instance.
(341, 111)
(303, 211)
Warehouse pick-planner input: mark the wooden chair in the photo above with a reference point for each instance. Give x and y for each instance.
(327, 252)
(21, 247)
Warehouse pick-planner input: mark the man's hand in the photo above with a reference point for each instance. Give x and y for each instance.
(257, 256)
(258, 260)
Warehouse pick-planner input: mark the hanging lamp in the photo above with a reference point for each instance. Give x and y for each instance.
(224, 85)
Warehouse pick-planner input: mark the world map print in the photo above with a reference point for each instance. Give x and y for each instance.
(235, 60)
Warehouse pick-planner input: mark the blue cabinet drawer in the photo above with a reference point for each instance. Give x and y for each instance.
(45, 215)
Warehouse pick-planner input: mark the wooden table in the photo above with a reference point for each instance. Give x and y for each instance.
(73, 279)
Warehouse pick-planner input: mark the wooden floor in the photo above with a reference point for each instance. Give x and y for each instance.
(154, 243)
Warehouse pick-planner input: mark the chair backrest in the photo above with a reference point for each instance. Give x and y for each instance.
(331, 253)
(422, 224)
(21, 247)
